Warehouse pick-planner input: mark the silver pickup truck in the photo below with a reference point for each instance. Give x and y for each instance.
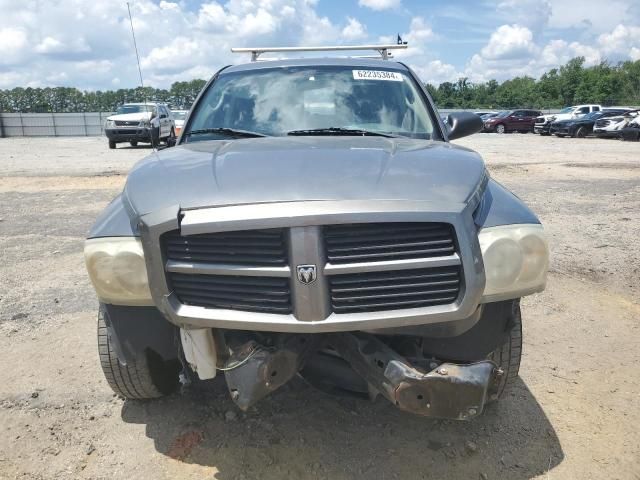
(315, 220)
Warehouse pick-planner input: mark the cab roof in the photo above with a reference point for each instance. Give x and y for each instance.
(318, 62)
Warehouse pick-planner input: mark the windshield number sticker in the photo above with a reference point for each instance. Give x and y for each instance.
(377, 75)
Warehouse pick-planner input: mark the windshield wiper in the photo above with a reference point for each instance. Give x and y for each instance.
(232, 132)
(339, 131)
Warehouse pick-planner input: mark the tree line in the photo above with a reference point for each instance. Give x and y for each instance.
(69, 99)
(570, 84)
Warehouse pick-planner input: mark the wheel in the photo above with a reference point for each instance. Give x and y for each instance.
(507, 356)
(112, 144)
(500, 128)
(133, 143)
(147, 377)
(171, 139)
(580, 133)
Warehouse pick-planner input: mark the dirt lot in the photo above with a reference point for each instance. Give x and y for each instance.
(573, 415)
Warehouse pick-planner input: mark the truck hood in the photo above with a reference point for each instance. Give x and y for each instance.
(131, 116)
(556, 117)
(285, 169)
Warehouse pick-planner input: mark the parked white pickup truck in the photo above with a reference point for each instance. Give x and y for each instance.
(543, 123)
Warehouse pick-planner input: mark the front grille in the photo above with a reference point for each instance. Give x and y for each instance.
(250, 247)
(250, 294)
(247, 270)
(373, 242)
(377, 291)
(127, 123)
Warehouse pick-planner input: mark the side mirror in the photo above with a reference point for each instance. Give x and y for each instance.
(462, 124)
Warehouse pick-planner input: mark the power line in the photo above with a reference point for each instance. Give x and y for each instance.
(135, 46)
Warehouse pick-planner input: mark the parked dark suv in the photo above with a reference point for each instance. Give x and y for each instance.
(512, 121)
(583, 126)
(315, 220)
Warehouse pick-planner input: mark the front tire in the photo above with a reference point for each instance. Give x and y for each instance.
(133, 143)
(500, 129)
(507, 356)
(146, 377)
(112, 144)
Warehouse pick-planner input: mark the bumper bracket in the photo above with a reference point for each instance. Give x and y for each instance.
(449, 391)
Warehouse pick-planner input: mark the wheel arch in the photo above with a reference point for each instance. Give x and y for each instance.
(136, 330)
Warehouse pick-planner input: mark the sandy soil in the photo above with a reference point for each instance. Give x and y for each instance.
(573, 414)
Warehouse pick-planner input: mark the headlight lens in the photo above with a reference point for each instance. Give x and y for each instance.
(145, 123)
(110, 124)
(516, 260)
(117, 270)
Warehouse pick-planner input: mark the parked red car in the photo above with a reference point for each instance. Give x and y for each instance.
(512, 121)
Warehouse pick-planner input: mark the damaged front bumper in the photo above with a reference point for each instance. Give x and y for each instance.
(450, 391)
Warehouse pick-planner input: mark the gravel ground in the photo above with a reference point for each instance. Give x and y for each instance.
(572, 415)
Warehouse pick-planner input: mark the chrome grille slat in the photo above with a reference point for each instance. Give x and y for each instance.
(236, 248)
(386, 255)
(398, 294)
(392, 246)
(353, 243)
(375, 291)
(379, 306)
(386, 277)
(394, 286)
(252, 294)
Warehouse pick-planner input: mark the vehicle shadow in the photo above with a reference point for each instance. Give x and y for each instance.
(300, 432)
(143, 146)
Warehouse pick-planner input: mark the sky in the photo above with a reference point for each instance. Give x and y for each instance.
(88, 44)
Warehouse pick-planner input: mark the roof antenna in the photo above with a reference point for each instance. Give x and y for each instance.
(144, 95)
(400, 42)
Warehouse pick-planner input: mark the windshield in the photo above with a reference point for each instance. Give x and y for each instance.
(283, 100)
(504, 113)
(567, 110)
(592, 115)
(133, 109)
(179, 115)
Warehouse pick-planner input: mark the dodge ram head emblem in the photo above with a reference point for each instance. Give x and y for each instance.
(306, 273)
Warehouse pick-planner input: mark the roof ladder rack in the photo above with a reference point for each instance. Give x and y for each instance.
(383, 50)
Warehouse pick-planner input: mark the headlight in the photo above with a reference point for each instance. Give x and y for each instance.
(145, 123)
(516, 260)
(110, 124)
(117, 270)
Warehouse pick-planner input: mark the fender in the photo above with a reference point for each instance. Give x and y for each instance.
(114, 221)
(499, 206)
